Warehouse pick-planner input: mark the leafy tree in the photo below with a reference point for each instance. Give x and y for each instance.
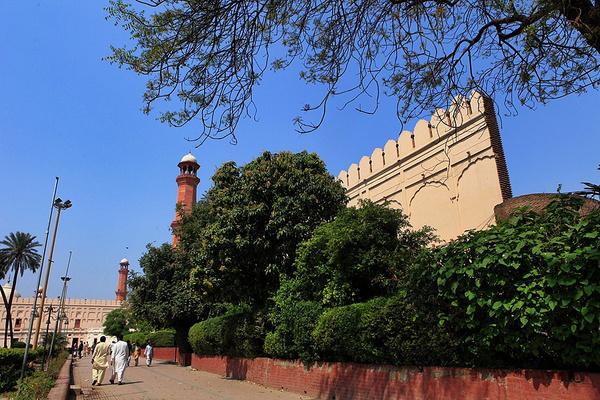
(525, 292)
(363, 253)
(210, 55)
(18, 254)
(162, 295)
(116, 323)
(243, 236)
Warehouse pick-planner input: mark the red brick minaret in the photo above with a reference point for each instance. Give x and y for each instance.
(122, 286)
(187, 182)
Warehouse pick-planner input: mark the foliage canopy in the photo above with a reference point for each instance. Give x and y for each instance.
(18, 254)
(243, 236)
(210, 55)
(361, 254)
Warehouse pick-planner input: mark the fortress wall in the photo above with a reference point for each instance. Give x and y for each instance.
(448, 173)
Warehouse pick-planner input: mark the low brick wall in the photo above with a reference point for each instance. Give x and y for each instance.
(345, 381)
(60, 391)
(165, 353)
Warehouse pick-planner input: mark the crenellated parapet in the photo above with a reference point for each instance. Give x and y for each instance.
(453, 157)
(409, 143)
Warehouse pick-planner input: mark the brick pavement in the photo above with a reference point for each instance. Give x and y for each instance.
(167, 381)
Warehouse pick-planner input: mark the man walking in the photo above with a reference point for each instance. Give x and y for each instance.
(120, 355)
(149, 353)
(100, 361)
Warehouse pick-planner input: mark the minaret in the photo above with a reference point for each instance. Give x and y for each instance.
(187, 182)
(122, 286)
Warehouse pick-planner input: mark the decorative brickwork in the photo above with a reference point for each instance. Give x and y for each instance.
(187, 183)
(347, 381)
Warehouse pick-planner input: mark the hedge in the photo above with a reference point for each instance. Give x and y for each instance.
(162, 338)
(10, 365)
(239, 332)
(38, 384)
(292, 337)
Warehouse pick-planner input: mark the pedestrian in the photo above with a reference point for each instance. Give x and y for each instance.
(86, 349)
(136, 354)
(80, 349)
(100, 361)
(119, 357)
(74, 350)
(129, 350)
(149, 353)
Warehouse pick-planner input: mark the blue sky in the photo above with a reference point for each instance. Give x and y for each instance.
(65, 112)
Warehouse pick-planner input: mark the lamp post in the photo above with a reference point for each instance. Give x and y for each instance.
(50, 309)
(59, 205)
(35, 296)
(61, 307)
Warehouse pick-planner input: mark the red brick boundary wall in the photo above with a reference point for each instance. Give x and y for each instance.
(345, 381)
(165, 353)
(173, 354)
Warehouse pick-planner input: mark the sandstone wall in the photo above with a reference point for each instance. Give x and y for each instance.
(448, 173)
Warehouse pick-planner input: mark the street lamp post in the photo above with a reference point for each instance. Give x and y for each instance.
(59, 205)
(50, 309)
(34, 307)
(61, 308)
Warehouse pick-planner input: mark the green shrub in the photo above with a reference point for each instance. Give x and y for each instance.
(525, 293)
(239, 332)
(337, 334)
(398, 332)
(383, 331)
(294, 323)
(137, 337)
(18, 345)
(38, 384)
(10, 365)
(163, 338)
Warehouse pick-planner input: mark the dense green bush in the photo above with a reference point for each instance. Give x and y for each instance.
(162, 338)
(10, 365)
(137, 337)
(526, 292)
(383, 330)
(363, 253)
(294, 322)
(337, 333)
(18, 345)
(38, 384)
(239, 332)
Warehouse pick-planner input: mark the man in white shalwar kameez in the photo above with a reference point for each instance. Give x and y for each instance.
(119, 357)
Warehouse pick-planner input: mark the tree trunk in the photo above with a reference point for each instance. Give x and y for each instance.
(7, 312)
(10, 300)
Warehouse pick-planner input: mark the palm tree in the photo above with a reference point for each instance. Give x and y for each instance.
(18, 254)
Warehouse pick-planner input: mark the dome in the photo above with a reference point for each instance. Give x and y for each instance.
(7, 287)
(189, 157)
(124, 261)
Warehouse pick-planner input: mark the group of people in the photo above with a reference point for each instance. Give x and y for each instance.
(118, 355)
(82, 349)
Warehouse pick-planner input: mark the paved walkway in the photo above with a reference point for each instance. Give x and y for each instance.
(167, 381)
